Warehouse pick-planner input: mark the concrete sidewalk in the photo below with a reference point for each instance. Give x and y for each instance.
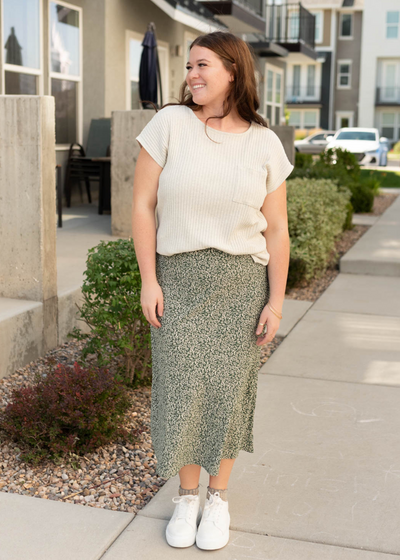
(324, 481)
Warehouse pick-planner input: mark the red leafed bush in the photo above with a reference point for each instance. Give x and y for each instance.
(71, 409)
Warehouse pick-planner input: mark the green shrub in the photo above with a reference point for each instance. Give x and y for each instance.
(372, 183)
(348, 222)
(341, 167)
(362, 197)
(317, 212)
(396, 148)
(120, 333)
(303, 160)
(67, 410)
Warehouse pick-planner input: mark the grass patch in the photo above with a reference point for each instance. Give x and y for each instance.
(388, 179)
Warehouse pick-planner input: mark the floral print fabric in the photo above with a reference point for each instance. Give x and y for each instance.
(205, 358)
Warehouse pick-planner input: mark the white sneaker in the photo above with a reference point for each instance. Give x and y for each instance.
(213, 531)
(182, 527)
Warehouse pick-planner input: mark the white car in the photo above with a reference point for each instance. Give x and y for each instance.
(364, 143)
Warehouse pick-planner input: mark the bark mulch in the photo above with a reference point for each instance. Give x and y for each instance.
(120, 476)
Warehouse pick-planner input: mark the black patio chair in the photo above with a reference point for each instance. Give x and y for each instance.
(92, 164)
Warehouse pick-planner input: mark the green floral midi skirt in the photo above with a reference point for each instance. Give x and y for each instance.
(205, 359)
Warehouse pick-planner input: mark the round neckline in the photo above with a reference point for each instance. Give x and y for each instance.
(219, 131)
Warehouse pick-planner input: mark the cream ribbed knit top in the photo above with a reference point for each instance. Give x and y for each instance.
(210, 194)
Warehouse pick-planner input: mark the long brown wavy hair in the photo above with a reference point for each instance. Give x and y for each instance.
(242, 93)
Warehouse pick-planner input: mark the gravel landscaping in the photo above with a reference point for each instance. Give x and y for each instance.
(121, 476)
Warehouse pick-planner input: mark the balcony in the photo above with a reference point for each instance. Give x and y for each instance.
(310, 94)
(388, 96)
(292, 27)
(241, 16)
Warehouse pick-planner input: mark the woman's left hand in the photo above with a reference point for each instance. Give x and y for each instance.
(271, 324)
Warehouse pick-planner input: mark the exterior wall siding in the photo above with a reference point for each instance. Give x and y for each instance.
(349, 49)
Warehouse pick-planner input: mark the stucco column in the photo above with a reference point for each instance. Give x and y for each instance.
(125, 126)
(28, 268)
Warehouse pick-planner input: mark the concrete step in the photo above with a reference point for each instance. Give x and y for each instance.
(38, 529)
(377, 252)
(353, 347)
(21, 333)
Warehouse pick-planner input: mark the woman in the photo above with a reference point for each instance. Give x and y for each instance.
(204, 192)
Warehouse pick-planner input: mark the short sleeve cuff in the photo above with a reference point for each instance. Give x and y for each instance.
(151, 149)
(282, 175)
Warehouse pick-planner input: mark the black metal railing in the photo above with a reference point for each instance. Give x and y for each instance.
(256, 6)
(387, 96)
(290, 23)
(303, 94)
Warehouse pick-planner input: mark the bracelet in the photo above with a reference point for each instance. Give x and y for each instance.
(274, 311)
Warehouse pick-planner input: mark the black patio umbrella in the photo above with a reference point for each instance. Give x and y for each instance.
(149, 70)
(14, 55)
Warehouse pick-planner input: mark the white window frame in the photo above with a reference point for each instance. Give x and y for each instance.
(273, 103)
(77, 79)
(395, 125)
(384, 85)
(339, 62)
(303, 82)
(188, 38)
(317, 119)
(22, 69)
(320, 38)
(396, 25)
(302, 115)
(347, 115)
(346, 37)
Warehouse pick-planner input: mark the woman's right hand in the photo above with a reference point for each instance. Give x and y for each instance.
(151, 297)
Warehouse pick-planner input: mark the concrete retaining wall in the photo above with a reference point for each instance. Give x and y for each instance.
(28, 226)
(125, 126)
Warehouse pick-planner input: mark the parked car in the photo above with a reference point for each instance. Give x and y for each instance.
(313, 144)
(364, 143)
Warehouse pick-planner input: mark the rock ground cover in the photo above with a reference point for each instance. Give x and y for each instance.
(121, 476)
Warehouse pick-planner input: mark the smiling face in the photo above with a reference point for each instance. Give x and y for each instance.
(207, 78)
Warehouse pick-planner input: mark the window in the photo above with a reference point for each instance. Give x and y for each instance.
(21, 40)
(389, 89)
(310, 119)
(344, 74)
(311, 80)
(294, 25)
(278, 88)
(270, 85)
(344, 119)
(388, 125)
(392, 25)
(135, 52)
(319, 22)
(295, 119)
(346, 26)
(65, 69)
(357, 135)
(304, 119)
(273, 98)
(296, 80)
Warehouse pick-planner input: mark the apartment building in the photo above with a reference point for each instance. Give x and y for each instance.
(323, 92)
(379, 91)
